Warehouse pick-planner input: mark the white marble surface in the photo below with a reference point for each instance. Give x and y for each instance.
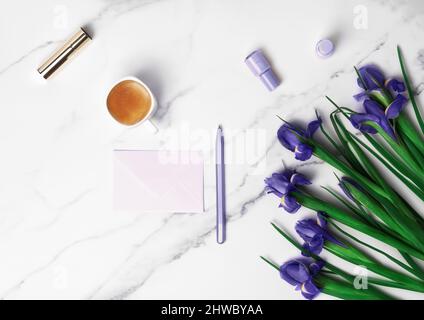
(60, 238)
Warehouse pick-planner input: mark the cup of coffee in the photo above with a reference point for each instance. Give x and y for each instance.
(131, 102)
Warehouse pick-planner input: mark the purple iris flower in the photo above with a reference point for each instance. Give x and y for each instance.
(395, 85)
(281, 184)
(375, 113)
(288, 136)
(300, 273)
(314, 233)
(372, 80)
(383, 100)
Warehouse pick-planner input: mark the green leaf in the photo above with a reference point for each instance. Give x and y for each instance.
(410, 90)
(348, 154)
(394, 160)
(413, 150)
(408, 128)
(373, 189)
(397, 147)
(417, 268)
(399, 174)
(357, 257)
(398, 223)
(343, 167)
(362, 158)
(359, 211)
(345, 290)
(270, 263)
(331, 140)
(341, 216)
(388, 256)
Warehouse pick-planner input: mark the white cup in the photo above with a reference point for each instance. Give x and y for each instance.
(153, 105)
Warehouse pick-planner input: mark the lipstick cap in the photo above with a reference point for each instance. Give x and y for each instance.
(260, 67)
(58, 59)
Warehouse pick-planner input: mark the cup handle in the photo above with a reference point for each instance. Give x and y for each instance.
(153, 129)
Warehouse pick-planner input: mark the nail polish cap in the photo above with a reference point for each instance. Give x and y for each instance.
(324, 48)
(260, 67)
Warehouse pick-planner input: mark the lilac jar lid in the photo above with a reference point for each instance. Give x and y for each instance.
(261, 68)
(324, 48)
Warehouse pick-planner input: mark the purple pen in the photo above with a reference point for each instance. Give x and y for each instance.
(220, 187)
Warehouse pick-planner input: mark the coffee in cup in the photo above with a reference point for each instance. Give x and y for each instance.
(130, 101)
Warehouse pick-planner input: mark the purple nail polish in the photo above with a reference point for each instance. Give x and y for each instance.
(261, 68)
(324, 48)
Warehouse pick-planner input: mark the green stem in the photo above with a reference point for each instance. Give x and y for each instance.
(339, 165)
(413, 150)
(345, 290)
(398, 148)
(369, 185)
(409, 269)
(270, 263)
(405, 125)
(395, 161)
(343, 217)
(410, 90)
(402, 176)
(415, 266)
(390, 219)
(357, 257)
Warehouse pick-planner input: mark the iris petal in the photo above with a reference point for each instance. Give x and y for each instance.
(361, 95)
(278, 182)
(303, 152)
(295, 272)
(307, 229)
(395, 85)
(299, 179)
(316, 244)
(385, 125)
(321, 220)
(371, 76)
(281, 184)
(291, 138)
(314, 234)
(373, 107)
(299, 273)
(316, 266)
(395, 107)
(290, 204)
(358, 119)
(287, 138)
(309, 290)
(312, 127)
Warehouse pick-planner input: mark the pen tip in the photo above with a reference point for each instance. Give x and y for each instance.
(219, 128)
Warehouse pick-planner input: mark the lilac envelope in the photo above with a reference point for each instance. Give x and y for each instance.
(158, 181)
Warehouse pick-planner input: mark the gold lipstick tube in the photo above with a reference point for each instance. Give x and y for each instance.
(64, 54)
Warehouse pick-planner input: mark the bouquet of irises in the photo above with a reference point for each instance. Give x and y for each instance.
(367, 206)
